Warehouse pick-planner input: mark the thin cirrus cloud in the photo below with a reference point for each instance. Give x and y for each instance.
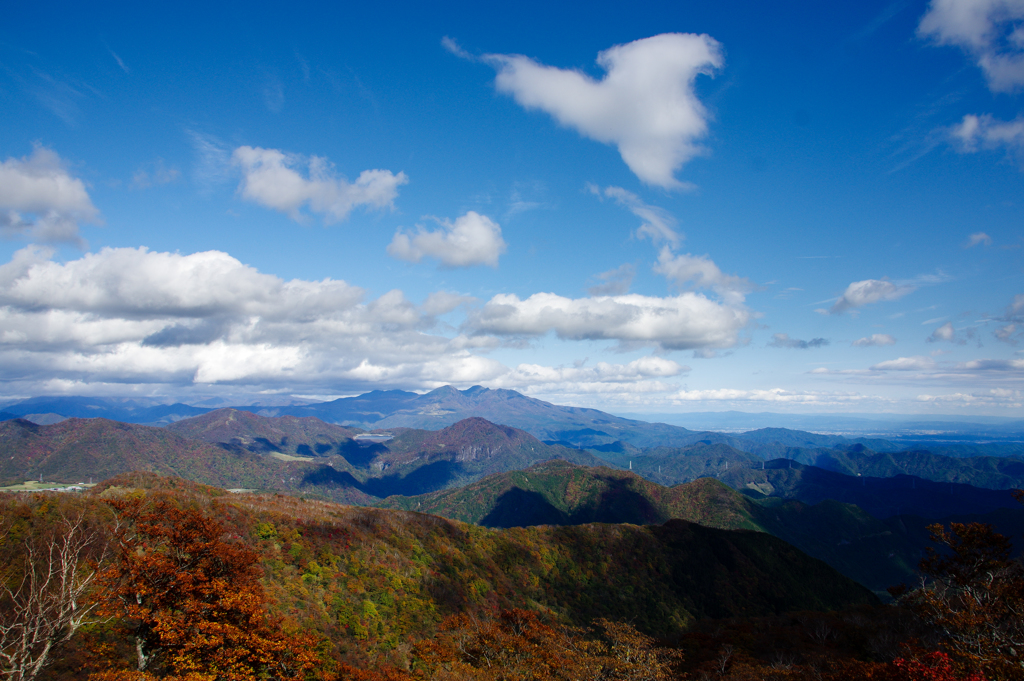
(472, 239)
(874, 340)
(658, 225)
(645, 105)
(685, 270)
(684, 322)
(41, 201)
(270, 177)
(988, 30)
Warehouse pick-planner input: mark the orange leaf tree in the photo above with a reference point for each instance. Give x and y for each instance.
(189, 598)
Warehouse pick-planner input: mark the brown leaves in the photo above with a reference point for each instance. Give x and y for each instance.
(190, 598)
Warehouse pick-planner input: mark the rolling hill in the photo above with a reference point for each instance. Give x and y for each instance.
(874, 552)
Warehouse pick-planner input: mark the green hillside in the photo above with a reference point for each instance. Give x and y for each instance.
(876, 553)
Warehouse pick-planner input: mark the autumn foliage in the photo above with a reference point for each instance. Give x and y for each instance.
(189, 597)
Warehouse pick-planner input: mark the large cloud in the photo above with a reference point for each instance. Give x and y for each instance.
(127, 315)
(645, 104)
(270, 178)
(686, 321)
(39, 199)
(989, 30)
(472, 239)
(178, 323)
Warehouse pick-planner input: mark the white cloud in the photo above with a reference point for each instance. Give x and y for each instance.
(39, 199)
(686, 321)
(645, 104)
(875, 339)
(270, 178)
(700, 272)
(917, 363)
(130, 315)
(988, 30)
(943, 333)
(978, 238)
(638, 376)
(984, 132)
(174, 322)
(658, 225)
(472, 239)
(868, 291)
(782, 340)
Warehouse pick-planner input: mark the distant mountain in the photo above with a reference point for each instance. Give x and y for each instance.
(126, 410)
(290, 435)
(236, 449)
(442, 407)
(881, 497)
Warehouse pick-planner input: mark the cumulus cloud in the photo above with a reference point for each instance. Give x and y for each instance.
(782, 340)
(658, 225)
(271, 179)
(868, 291)
(974, 133)
(989, 31)
(645, 105)
(41, 201)
(978, 238)
(472, 239)
(875, 339)
(917, 363)
(686, 321)
(131, 315)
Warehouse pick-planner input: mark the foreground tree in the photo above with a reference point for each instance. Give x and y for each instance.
(972, 592)
(48, 556)
(190, 600)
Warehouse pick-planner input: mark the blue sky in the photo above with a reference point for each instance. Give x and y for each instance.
(666, 207)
